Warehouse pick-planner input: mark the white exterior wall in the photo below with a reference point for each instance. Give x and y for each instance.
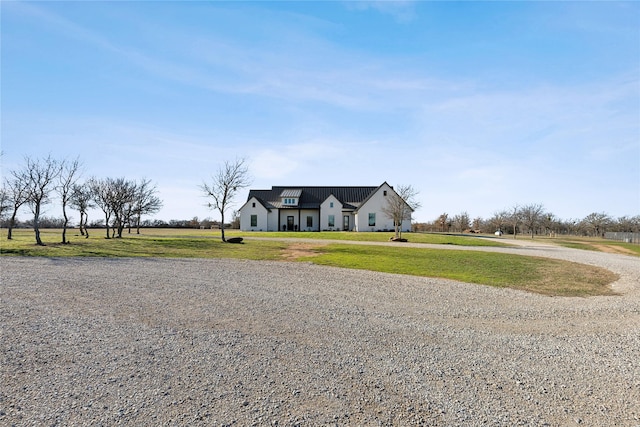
(374, 205)
(272, 220)
(249, 209)
(299, 219)
(313, 213)
(336, 211)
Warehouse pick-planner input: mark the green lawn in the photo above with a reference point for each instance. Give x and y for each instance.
(433, 238)
(133, 245)
(540, 275)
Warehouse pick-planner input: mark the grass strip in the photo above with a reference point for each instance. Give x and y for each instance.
(533, 274)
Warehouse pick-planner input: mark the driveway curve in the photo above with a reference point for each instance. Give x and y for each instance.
(233, 342)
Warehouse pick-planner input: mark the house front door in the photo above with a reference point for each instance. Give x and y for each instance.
(290, 223)
(345, 223)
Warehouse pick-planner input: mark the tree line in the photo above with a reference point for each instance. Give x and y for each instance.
(531, 219)
(124, 202)
(39, 180)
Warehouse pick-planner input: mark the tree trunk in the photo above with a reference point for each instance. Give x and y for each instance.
(86, 230)
(138, 225)
(80, 226)
(106, 223)
(12, 223)
(64, 225)
(36, 225)
(222, 227)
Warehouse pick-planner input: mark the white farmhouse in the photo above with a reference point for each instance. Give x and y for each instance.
(318, 209)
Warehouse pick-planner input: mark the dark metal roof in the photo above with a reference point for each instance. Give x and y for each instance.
(312, 197)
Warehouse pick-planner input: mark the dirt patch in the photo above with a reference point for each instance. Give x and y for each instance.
(612, 249)
(298, 250)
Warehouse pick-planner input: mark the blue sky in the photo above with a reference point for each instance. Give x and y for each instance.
(477, 105)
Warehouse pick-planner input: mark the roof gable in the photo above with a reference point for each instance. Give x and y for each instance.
(258, 200)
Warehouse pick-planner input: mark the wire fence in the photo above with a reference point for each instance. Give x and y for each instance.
(623, 237)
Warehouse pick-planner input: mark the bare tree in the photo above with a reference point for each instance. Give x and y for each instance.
(123, 193)
(4, 201)
(551, 224)
(499, 220)
(443, 222)
(477, 224)
(39, 176)
(461, 221)
(16, 188)
(145, 201)
(532, 215)
(68, 176)
(225, 185)
(628, 224)
(400, 204)
(597, 222)
(101, 195)
(81, 199)
(514, 219)
(115, 197)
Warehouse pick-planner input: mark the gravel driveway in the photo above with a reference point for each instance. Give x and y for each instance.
(232, 342)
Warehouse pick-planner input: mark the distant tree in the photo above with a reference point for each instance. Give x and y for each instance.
(69, 173)
(461, 222)
(123, 195)
(570, 226)
(532, 216)
(399, 206)
(194, 223)
(499, 221)
(478, 224)
(421, 227)
(627, 224)
(225, 185)
(597, 222)
(442, 222)
(5, 203)
(206, 223)
(81, 199)
(47, 222)
(39, 176)
(235, 220)
(101, 195)
(551, 223)
(145, 201)
(514, 219)
(17, 195)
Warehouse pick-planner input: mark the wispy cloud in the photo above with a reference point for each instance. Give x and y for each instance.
(400, 10)
(290, 162)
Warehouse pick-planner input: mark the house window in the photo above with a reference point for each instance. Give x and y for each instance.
(309, 221)
(372, 219)
(289, 201)
(384, 193)
(253, 205)
(330, 204)
(332, 220)
(254, 220)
